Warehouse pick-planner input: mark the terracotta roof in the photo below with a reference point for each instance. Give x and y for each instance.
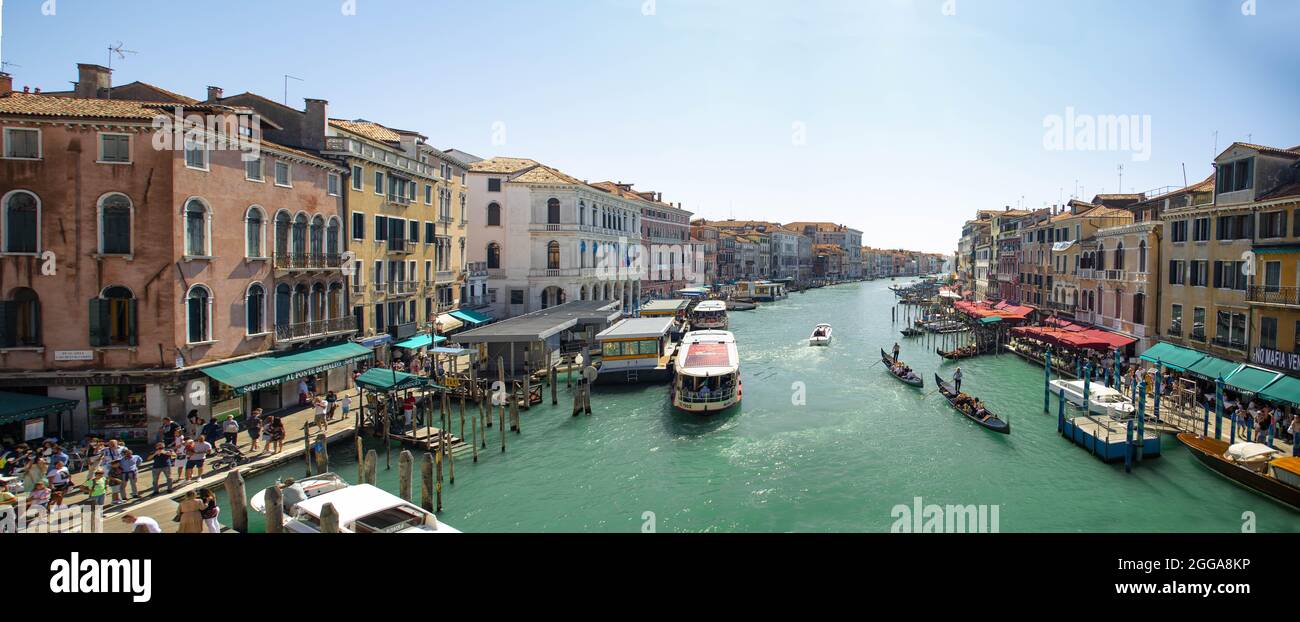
(367, 129)
(1281, 192)
(506, 166)
(1293, 152)
(542, 174)
(166, 95)
(56, 106)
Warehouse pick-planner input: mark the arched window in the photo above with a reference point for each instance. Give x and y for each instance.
(582, 293)
(582, 213)
(318, 302)
(334, 302)
(317, 236)
(582, 255)
(196, 228)
(494, 215)
(22, 222)
(113, 318)
(553, 211)
(332, 238)
(553, 255)
(282, 228)
(254, 221)
(1142, 256)
(300, 235)
(115, 224)
(198, 314)
(1119, 256)
(1139, 308)
(300, 304)
(20, 320)
(283, 304)
(494, 256)
(255, 309)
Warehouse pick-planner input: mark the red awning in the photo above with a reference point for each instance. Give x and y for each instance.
(1111, 340)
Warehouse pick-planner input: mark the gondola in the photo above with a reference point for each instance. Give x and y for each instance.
(912, 332)
(993, 422)
(956, 355)
(915, 380)
(1278, 477)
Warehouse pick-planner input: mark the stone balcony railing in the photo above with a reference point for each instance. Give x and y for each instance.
(316, 328)
(307, 261)
(1271, 295)
(402, 288)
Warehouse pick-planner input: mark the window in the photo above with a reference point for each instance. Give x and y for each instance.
(494, 184)
(332, 238)
(1198, 323)
(254, 223)
(1177, 274)
(1119, 256)
(428, 194)
(1238, 227)
(1139, 308)
(1176, 320)
(516, 296)
(282, 227)
(255, 309)
(1268, 333)
(1142, 256)
(317, 236)
(282, 177)
(413, 232)
(196, 154)
(253, 169)
(494, 215)
(358, 226)
(381, 228)
(1178, 231)
(115, 148)
(1235, 176)
(1198, 273)
(553, 256)
(430, 231)
(379, 182)
(198, 314)
(1230, 329)
(332, 184)
(1201, 229)
(20, 320)
(1230, 275)
(357, 181)
(494, 256)
(196, 228)
(22, 228)
(22, 143)
(115, 224)
(113, 318)
(1272, 225)
(1273, 276)
(553, 212)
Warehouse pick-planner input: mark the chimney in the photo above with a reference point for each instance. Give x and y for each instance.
(314, 120)
(214, 93)
(6, 84)
(93, 81)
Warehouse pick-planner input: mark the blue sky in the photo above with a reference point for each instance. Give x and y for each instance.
(911, 116)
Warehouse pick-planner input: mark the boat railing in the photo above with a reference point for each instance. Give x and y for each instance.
(695, 397)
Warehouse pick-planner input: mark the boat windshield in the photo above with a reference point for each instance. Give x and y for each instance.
(391, 520)
(1109, 399)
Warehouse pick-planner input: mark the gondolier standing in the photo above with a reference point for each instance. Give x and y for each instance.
(956, 380)
(896, 349)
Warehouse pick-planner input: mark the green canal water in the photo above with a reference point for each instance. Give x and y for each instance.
(860, 445)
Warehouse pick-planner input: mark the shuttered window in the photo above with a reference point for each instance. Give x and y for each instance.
(20, 223)
(115, 225)
(114, 148)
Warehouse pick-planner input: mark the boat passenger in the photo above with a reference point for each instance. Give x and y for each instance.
(292, 494)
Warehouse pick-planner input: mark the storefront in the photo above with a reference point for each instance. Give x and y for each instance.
(274, 382)
(28, 417)
(117, 412)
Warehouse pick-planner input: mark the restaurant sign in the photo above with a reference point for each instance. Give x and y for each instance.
(1288, 361)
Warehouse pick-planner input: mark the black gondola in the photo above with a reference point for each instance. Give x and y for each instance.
(991, 422)
(957, 354)
(888, 360)
(912, 332)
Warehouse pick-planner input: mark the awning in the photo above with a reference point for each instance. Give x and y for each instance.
(1174, 357)
(448, 323)
(471, 317)
(15, 407)
(1114, 340)
(1213, 367)
(1251, 379)
(1285, 389)
(1276, 250)
(269, 371)
(420, 341)
(377, 341)
(990, 320)
(380, 379)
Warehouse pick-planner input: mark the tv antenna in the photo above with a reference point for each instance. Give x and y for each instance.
(288, 77)
(1121, 179)
(115, 49)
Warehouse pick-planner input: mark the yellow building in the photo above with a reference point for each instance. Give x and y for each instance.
(405, 228)
(1274, 293)
(1071, 282)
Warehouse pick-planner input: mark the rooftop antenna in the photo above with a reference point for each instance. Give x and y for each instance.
(121, 53)
(1184, 174)
(288, 77)
(1121, 179)
(1216, 144)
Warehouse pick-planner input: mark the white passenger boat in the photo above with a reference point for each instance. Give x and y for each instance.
(709, 315)
(636, 350)
(1103, 400)
(707, 372)
(821, 335)
(365, 509)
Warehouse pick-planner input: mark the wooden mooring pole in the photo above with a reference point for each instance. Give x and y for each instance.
(329, 519)
(426, 482)
(371, 459)
(274, 510)
(361, 457)
(404, 461)
(238, 501)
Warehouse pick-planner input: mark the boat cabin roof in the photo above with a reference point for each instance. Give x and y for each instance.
(708, 353)
(353, 502)
(664, 306)
(637, 328)
(711, 306)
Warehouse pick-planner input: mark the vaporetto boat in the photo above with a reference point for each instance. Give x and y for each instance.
(709, 315)
(707, 372)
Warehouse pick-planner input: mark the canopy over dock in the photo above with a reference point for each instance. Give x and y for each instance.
(522, 340)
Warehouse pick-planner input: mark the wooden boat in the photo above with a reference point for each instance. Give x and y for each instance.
(912, 332)
(1269, 473)
(913, 380)
(957, 354)
(821, 336)
(991, 422)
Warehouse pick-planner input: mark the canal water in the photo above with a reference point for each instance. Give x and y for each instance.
(859, 444)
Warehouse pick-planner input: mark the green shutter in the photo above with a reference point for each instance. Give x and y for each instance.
(8, 323)
(98, 322)
(133, 336)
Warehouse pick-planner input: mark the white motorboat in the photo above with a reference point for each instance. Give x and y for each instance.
(365, 509)
(707, 373)
(1102, 400)
(821, 336)
(709, 315)
(313, 486)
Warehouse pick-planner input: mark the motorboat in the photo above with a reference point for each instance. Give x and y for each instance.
(312, 486)
(363, 508)
(1254, 465)
(1102, 399)
(709, 315)
(821, 336)
(706, 372)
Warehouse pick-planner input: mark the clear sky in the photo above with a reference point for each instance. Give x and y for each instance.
(896, 117)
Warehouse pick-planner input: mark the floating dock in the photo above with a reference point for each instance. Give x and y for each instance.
(1109, 438)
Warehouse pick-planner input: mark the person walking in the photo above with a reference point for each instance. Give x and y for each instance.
(195, 454)
(321, 418)
(331, 400)
(210, 511)
(96, 487)
(162, 459)
(254, 423)
(347, 406)
(277, 434)
(230, 430)
(190, 514)
(131, 473)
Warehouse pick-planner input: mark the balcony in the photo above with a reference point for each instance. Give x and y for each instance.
(315, 329)
(574, 272)
(399, 246)
(358, 289)
(286, 262)
(1270, 295)
(444, 307)
(1063, 307)
(1115, 275)
(1231, 344)
(402, 288)
(477, 302)
(446, 276)
(478, 270)
(396, 200)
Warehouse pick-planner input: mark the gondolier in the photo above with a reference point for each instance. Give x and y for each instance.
(896, 349)
(956, 380)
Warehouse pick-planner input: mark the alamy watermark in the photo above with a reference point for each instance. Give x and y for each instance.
(58, 519)
(1108, 132)
(233, 131)
(920, 517)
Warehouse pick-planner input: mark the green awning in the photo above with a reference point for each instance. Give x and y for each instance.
(471, 317)
(1285, 389)
(269, 371)
(1212, 368)
(15, 407)
(1174, 357)
(419, 341)
(992, 319)
(380, 379)
(1276, 250)
(1251, 379)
